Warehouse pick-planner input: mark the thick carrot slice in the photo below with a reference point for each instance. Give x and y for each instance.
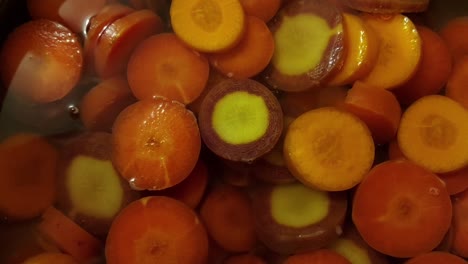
(317, 146)
(456, 84)
(401, 201)
(432, 134)
(433, 70)
(378, 108)
(251, 55)
(244, 259)
(51, 257)
(436, 257)
(100, 106)
(208, 25)
(362, 46)
(322, 256)
(28, 176)
(399, 51)
(162, 65)
(157, 229)
(460, 224)
(454, 33)
(263, 9)
(69, 236)
(228, 217)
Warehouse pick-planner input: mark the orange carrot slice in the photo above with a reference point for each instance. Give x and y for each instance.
(69, 236)
(321, 256)
(399, 52)
(157, 229)
(263, 9)
(460, 224)
(455, 181)
(28, 176)
(432, 134)
(162, 65)
(208, 25)
(436, 257)
(251, 55)
(378, 108)
(456, 84)
(317, 146)
(433, 70)
(401, 201)
(362, 46)
(454, 33)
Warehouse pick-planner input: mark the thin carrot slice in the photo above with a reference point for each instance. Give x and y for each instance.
(433, 70)
(69, 236)
(362, 50)
(251, 55)
(436, 257)
(263, 9)
(454, 33)
(399, 52)
(317, 149)
(432, 134)
(28, 179)
(162, 65)
(378, 108)
(208, 25)
(456, 84)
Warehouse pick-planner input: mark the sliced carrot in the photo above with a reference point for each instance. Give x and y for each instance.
(362, 46)
(399, 51)
(460, 224)
(378, 108)
(401, 201)
(456, 84)
(244, 259)
(208, 25)
(214, 78)
(436, 257)
(28, 166)
(455, 181)
(50, 257)
(321, 256)
(394, 151)
(432, 134)
(251, 55)
(317, 146)
(162, 65)
(228, 217)
(157, 229)
(454, 33)
(100, 106)
(263, 9)
(433, 70)
(69, 236)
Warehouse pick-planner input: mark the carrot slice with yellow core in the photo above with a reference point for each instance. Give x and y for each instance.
(317, 149)
(432, 134)
(363, 47)
(293, 53)
(399, 52)
(208, 25)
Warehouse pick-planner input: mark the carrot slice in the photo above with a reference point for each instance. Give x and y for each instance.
(436, 257)
(455, 181)
(454, 33)
(69, 236)
(433, 70)
(378, 108)
(228, 217)
(456, 84)
(157, 229)
(208, 25)
(317, 146)
(322, 256)
(251, 55)
(401, 201)
(399, 51)
(28, 178)
(432, 134)
(460, 224)
(162, 65)
(362, 46)
(263, 9)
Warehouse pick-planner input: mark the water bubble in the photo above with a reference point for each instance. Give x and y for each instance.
(74, 111)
